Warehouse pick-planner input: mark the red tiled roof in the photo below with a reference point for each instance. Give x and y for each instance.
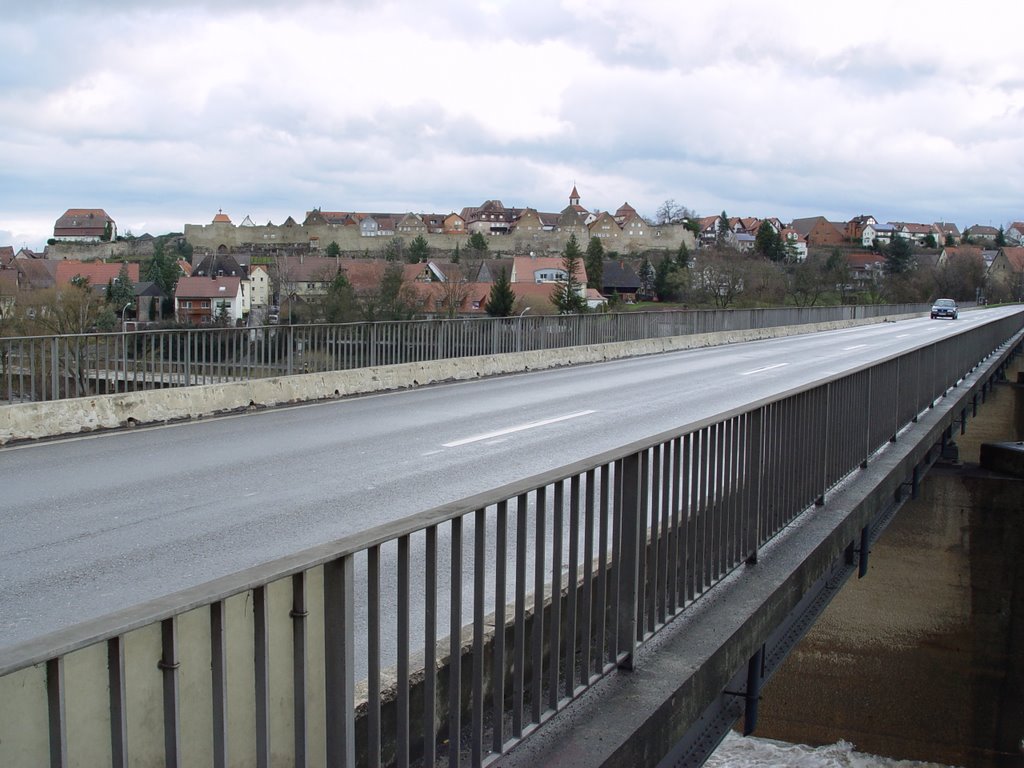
(526, 266)
(862, 260)
(98, 273)
(207, 287)
(1015, 255)
(8, 282)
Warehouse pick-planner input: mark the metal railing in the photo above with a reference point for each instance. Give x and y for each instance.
(452, 634)
(42, 368)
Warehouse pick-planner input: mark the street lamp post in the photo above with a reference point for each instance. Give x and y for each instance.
(519, 327)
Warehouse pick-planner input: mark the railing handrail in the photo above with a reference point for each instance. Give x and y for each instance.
(885, 309)
(90, 632)
(49, 368)
(876, 308)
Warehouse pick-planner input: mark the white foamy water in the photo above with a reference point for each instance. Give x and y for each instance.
(751, 752)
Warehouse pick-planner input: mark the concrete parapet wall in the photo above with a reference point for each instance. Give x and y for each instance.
(31, 421)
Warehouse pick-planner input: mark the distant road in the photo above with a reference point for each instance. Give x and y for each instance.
(89, 525)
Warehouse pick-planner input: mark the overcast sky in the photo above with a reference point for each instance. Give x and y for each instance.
(163, 113)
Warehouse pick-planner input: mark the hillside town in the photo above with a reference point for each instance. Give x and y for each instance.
(339, 266)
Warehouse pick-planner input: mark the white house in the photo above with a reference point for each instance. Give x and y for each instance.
(259, 285)
(203, 300)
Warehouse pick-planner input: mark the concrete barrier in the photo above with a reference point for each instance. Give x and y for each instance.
(33, 421)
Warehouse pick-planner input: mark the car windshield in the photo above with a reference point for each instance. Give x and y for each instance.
(945, 303)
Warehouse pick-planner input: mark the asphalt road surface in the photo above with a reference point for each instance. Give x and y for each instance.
(93, 524)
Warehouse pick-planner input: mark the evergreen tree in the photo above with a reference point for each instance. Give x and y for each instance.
(394, 249)
(899, 256)
(333, 249)
(647, 277)
(768, 243)
(340, 305)
(1001, 238)
(721, 237)
(502, 298)
(478, 243)
(456, 257)
(567, 296)
(121, 291)
(950, 242)
(683, 255)
(929, 241)
(419, 250)
(162, 268)
(391, 286)
(662, 273)
(595, 263)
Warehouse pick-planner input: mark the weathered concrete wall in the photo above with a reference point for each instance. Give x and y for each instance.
(26, 421)
(924, 659)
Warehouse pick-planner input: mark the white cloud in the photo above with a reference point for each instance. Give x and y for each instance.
(908, 110)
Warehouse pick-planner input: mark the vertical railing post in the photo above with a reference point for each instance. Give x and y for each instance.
(219, 684)
(402, 711)
(455, 647)
(373, 344)
(339, 650)
(188, 358)
(755, 478)
(54, 369)
(169, 666)
(477, 697)
(118, 703)
(628, 570)
(373, 658)
(291, 351)
(299, 616)
(57, 711)
(261, 667)
(430, 646)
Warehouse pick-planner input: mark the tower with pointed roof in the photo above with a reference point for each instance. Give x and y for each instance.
(574, 197)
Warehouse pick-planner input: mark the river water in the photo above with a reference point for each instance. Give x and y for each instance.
(751, 752)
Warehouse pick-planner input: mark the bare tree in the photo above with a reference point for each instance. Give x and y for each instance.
(453, 295)
(807, 281)
(71, 310)
(671, 212)
(719, 277)
(961, 277)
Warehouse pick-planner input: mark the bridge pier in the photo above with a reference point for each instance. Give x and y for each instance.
(923, 659)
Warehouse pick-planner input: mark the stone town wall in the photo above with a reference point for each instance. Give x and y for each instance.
(129, 250)
(213, 237)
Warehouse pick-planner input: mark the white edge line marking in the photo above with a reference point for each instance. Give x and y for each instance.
(519, 428)
(761, 370)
